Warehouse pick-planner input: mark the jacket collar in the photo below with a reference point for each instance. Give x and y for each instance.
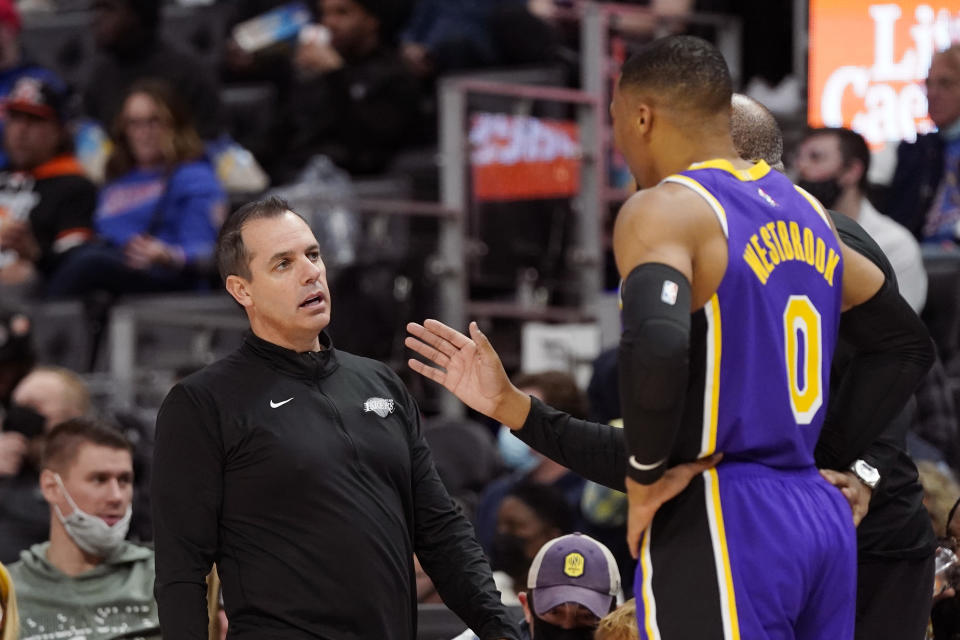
(310, 365)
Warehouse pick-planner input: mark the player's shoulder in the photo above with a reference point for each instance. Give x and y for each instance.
(667, 204)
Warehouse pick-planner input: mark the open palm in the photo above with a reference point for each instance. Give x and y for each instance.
(467, 367)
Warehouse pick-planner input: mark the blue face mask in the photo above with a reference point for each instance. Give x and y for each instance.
(515, 452)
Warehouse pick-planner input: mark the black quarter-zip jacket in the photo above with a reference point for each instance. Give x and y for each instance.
(305, 477)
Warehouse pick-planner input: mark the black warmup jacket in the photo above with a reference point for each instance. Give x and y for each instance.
(306, 478)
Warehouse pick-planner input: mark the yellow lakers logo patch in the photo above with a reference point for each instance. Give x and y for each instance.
(573, 565)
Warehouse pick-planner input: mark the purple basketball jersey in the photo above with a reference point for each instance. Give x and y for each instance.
(771, 327)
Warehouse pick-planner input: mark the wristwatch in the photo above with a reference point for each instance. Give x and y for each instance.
(866, 473)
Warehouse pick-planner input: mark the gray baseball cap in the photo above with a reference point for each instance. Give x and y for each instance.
(574, 568)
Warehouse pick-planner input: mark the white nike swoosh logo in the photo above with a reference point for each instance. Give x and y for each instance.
(274, 405)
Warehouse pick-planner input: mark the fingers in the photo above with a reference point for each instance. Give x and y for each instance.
(427, 371)
(431, 333)
(836, 478)
(449, 334)
(481, 339)
(427, 351)
(699, 466)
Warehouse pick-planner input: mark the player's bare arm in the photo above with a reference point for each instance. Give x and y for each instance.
(671, 254)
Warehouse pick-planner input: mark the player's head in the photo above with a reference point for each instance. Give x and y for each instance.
(755, 132)
(674, 93)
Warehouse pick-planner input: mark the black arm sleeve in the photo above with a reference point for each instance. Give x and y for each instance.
(186, 491)
(892, 352)
(448, 550)
(883, 452)
(654, 365)
(596, 451)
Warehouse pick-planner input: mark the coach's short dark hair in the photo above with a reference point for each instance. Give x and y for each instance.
(686, 72)
(232, 258)
(62, 444)
(852, 147)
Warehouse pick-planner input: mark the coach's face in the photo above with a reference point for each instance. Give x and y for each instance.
(286, 296)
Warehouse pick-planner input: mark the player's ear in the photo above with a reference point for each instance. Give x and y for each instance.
(642, 119)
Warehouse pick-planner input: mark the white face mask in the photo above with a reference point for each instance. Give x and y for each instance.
(89, 532)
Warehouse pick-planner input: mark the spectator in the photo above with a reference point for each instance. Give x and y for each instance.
(832, 164)
(46, 202)
(573, 583)
(86, 576)
(445, 35)
(160, 209)
(619, 624)
(14, 63)
(354, 100)
(556, 388)
(46, 397)
(9, 616)
(127, 34)
(924, 195)
(530, 515)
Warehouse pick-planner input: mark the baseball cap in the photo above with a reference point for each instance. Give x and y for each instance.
(574, 568)
(37, 97)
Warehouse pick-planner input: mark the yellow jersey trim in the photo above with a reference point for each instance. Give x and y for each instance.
(755, 172)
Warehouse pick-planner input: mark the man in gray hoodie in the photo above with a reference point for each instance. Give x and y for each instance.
(86, 581)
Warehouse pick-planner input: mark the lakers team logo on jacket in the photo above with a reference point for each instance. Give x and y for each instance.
(380, 406)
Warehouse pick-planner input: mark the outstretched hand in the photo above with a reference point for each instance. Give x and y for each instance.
(469, 368)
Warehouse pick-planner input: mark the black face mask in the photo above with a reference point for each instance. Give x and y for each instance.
(24, 420)
(508, 555)
(543, 630)
(826, 191)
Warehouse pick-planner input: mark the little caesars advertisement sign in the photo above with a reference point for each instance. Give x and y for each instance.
(868, 60)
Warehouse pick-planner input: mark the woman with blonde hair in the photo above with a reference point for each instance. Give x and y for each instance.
(158, 214)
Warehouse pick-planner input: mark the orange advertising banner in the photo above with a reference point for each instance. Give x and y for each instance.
(868, 60)
(523, 158)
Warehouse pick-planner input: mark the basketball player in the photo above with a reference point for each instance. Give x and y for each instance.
(759, 265)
